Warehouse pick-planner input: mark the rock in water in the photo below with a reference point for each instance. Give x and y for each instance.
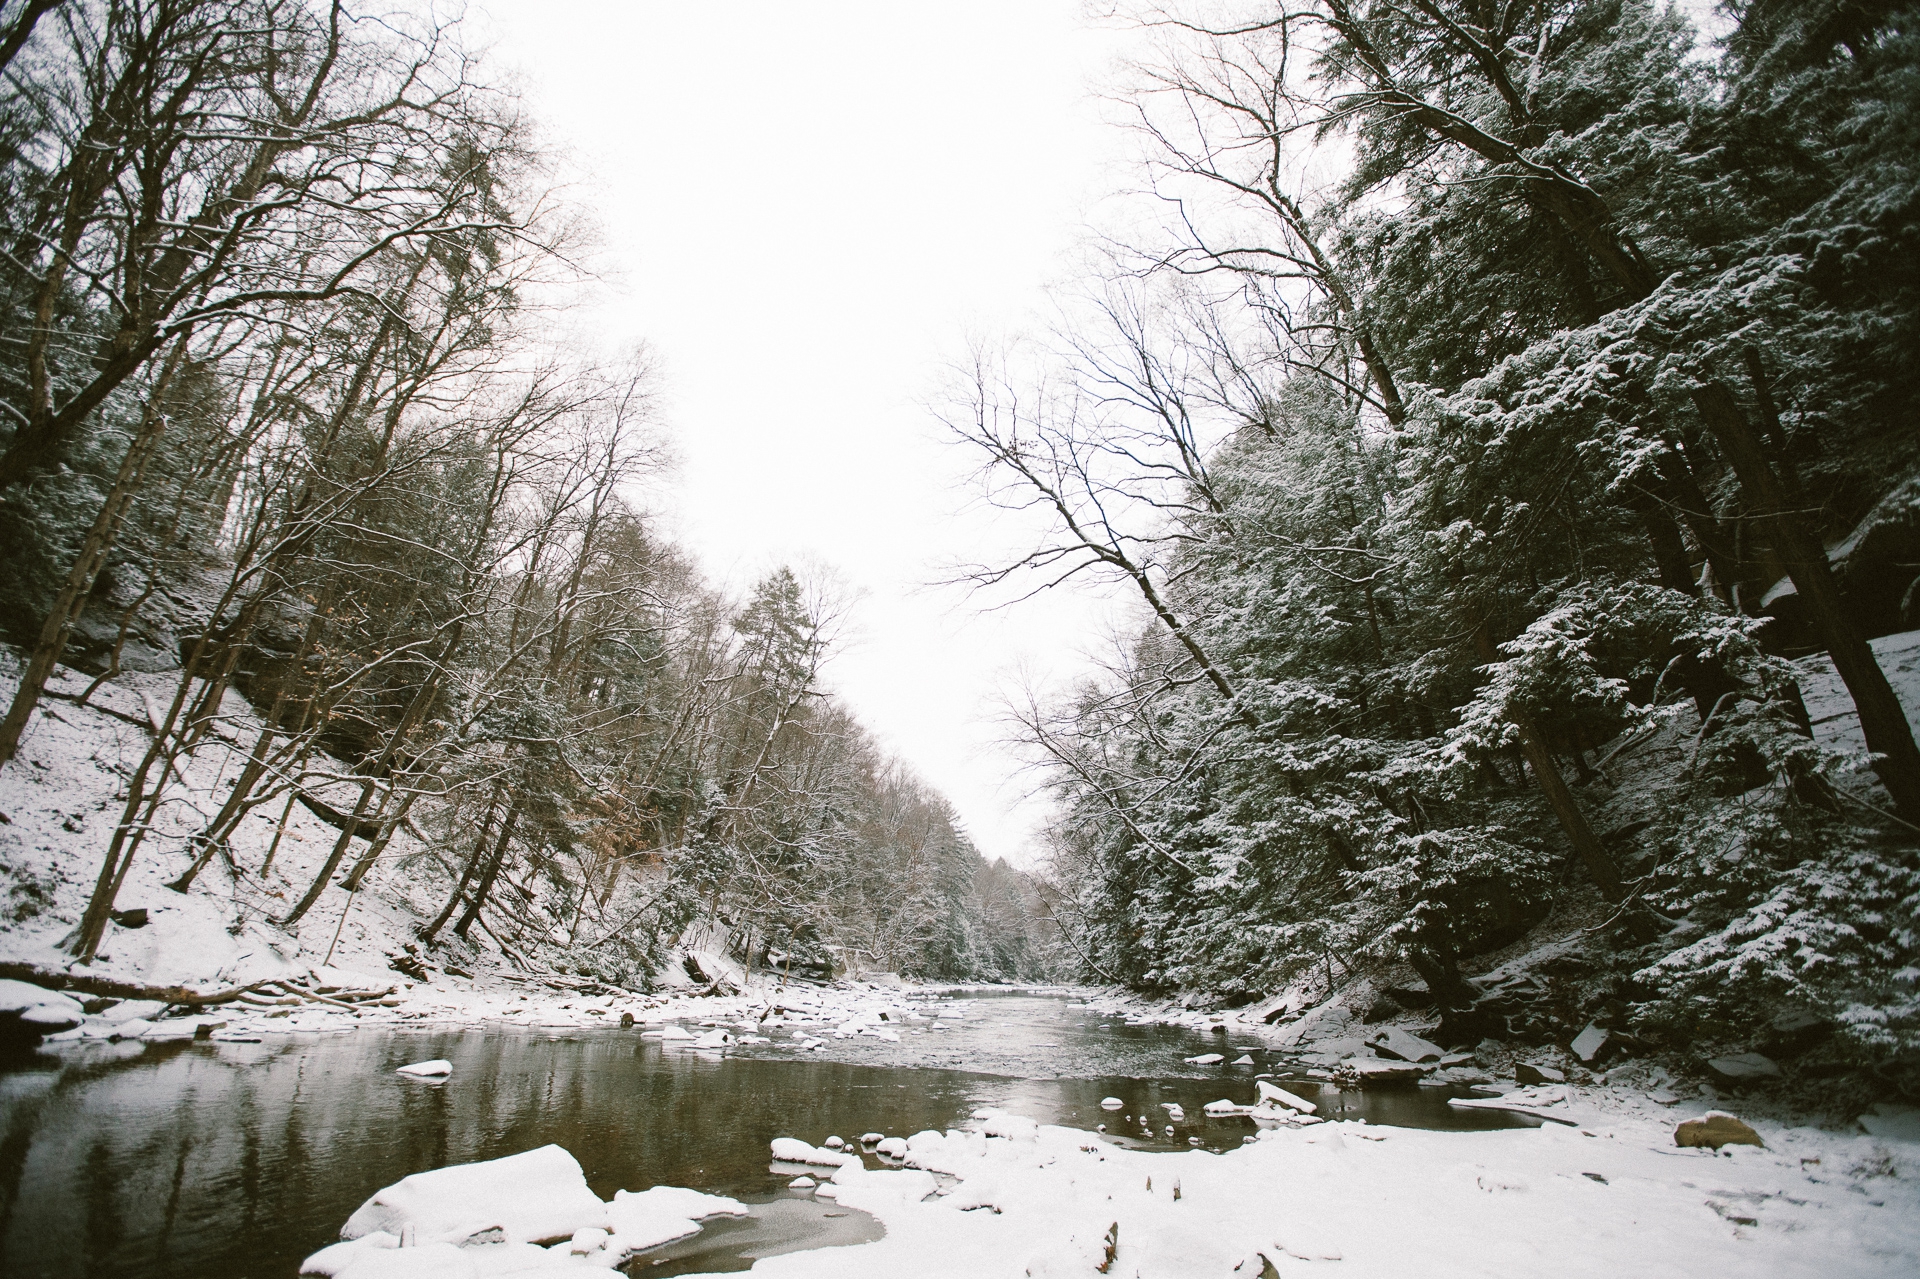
(533, 1197)
(1243, 1060)
(1402, 1046)
(1111, 1103)
(427, 1069)
(1359, 1072)
(1528, 1073)
(1273, 1095)
(1206, 1059)
(1588, 1043)
(1742, 1068)
(1714, 1131)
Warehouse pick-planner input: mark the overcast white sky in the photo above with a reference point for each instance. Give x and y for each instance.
(809, 207)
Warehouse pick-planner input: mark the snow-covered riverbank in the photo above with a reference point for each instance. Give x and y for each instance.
(1006, 1196)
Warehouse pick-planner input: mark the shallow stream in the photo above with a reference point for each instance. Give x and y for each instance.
(239, 1160)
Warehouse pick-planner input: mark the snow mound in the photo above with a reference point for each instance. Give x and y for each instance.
(427, 1069)
(532, 1197)
(794, 1151)
(661, 1215)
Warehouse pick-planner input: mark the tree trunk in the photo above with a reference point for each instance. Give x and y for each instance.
(1599, 864)
(94, 549)
(378, 844)
(432, 930)
(494, 863)
(1882, 719)
(1441, 972)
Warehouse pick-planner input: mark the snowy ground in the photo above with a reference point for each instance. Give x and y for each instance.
(1612, 1197)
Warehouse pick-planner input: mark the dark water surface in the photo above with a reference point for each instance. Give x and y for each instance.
(239, 1160)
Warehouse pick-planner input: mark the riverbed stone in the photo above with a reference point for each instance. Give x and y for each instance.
(1526, 1072)
(1714, 1131)
(1362, 1072)
(1402, 1046)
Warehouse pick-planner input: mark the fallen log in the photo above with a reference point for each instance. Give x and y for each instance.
(361, 828)
(89, 984)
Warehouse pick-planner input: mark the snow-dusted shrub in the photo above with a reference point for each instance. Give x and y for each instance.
(1803, 910)
(1455, 892)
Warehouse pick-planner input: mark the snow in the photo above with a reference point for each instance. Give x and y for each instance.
(661, 1215)
(1272, 1095)
(794, 1151)
(427, 1069)
(480, 1219)
(1615, 1197)
(532, 1197)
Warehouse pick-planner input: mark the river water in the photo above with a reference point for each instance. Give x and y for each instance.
(239, 1160)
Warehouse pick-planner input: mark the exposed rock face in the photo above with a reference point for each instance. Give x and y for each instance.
(1590, 1043)
(1714, 1131)
(1792, 1033)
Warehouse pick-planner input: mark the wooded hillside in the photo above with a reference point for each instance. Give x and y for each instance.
(1499, 398)
(290, 412)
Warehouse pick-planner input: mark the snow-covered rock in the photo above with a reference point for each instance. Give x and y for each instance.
(1273, 1095)
(1402, 1046)
(794, 1151)
(533, 1197)
(661, 1215)
(434, 1069)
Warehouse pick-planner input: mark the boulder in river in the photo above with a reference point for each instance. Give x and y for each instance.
(1359, 1072)
(1402, 1046)
(1206, 1059)
(436, 1068)
(533, 1197)
(29, 1011)
(1274, 1095)
(1527, 1073)
(1714, 1131)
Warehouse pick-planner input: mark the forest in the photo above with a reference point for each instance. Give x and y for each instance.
(298, 439)
(1496, 412)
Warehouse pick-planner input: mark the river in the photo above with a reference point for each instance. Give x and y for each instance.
(238, 1160)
